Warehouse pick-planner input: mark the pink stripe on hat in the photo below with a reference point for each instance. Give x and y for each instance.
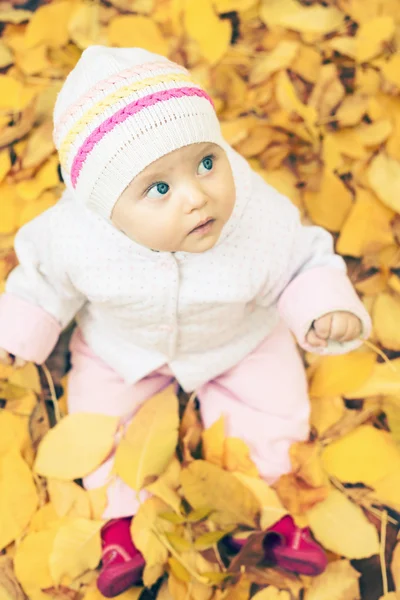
(106, 83)
(124, 113)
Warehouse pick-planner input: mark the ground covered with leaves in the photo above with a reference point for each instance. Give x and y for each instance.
(309, 92)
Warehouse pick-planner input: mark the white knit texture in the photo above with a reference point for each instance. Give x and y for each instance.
(132, 145)
(200, 313)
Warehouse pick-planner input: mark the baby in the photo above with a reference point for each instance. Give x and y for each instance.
(179, 263)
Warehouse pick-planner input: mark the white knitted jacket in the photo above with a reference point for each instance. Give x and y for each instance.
(199, 313)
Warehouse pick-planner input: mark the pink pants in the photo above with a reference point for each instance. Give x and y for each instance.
(263, 398)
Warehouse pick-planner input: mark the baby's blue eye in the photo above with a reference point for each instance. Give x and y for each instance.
(206, 165)
(158, 190)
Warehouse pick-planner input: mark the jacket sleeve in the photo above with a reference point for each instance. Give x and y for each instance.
(310, 280)
(39, 299)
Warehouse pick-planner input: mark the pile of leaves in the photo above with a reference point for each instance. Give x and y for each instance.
(309, 92)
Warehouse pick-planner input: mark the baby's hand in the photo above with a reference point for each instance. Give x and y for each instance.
(8, 359)
(338, 326)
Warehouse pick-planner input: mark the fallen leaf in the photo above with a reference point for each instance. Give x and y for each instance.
(384, 179)
(146, 530)
(272, 593)
(137, 30)
(237, 457)
(207, 485)
(341, 526)
(150, 440)
(77, 548)
(69, 499)
(305, 458)
(49, 25)
(31, 563)
(213, 442)
(339, 375)
(76, 446)
(340, 579)
(330, 206)
(365, 455)
(372, 35)
(18, 496)
(204, 26)
(280, 57)
(297, 496)
(272, 509)
(10, 588)
(166, 485)
(291, 14)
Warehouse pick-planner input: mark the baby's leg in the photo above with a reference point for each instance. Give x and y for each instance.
(265, 402)
(96, 388)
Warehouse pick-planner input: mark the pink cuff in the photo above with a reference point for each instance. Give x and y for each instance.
(26, 330)
(315, 293)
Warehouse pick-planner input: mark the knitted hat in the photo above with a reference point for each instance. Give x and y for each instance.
(120, 109)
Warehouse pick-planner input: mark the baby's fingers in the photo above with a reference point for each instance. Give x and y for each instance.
(314, 340)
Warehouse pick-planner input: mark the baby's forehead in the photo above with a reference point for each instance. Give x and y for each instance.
(177, 158)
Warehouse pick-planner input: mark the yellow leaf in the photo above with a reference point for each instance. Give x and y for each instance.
(288, 99)
(18, 497)
(341, 526)
(385, 381)
(34, 60)
(45, 178)
(367, 227)
(5, 164)
(384, 179)
(272, 593)
(391, 407)
(69, 499)
(339, 375)
(76, 446)
(35, 208)
(13, 96)
(291, 14)
(40, 145)
(31, 563)
(204, 26)
(330, 206)
(84, 25)
(305, 458)
(280, 57)
(207, 485)
(92, 593)
(98, 501)
(386, 316)
(340, 578)
(27, 377)
(137, 30)
(372, 35)
(6, 58)
(285, 182)
(150, 440)
(272, 509)
(391, 69)
(165, 487)
(237, 457)
(49, 25)
(375, 133)
(143, 531)
(45, 518)
(224, 6)
(213, 442)
(9, 15)
(352, 110)
(77, 548)
(325, 412)
(13, 432)
(363, 456)
(327, 93)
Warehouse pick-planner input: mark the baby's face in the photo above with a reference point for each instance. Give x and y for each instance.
(179, 202)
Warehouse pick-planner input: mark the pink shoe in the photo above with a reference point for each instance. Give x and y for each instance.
(291, 548)
(122, 563)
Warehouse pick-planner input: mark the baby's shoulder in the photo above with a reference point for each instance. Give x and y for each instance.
(270, 215)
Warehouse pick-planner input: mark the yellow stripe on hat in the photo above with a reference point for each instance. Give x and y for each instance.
(99, 107)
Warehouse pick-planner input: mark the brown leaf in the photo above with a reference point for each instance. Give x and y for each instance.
(10, 588)
(297, 496)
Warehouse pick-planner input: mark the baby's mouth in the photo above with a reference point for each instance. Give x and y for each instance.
(203, 227)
